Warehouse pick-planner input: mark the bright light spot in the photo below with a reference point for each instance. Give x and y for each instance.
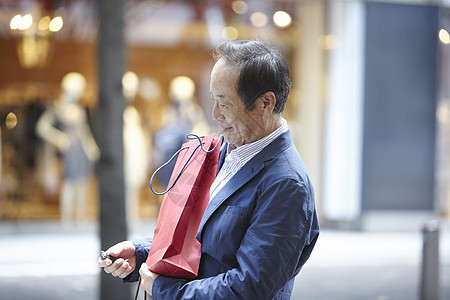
(21, 22)
(230, 33)
(329, 42)
(444, 36)
(11, 120)
(15, 22)
(56, 24)
(239, 7)
(26, 22)
(182, 89)
(281, 18)
(44, 23)
(258, 19)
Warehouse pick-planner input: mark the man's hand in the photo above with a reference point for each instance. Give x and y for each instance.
(125, 262)
(147, 278)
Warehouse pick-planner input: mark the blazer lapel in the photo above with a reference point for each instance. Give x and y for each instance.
(246, 173)
(222, 154)
(235, 183)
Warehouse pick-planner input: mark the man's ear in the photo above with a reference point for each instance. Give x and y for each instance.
(269, 100)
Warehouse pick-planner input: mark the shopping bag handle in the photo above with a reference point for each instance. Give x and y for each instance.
(137, 291)
(190, 136)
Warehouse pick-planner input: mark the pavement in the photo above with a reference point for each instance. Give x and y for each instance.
(44, 260)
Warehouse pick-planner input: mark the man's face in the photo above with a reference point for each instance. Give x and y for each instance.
(239, 125)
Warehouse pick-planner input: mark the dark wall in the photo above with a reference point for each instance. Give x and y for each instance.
(399, 108)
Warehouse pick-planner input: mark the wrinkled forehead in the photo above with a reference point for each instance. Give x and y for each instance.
(223, 72)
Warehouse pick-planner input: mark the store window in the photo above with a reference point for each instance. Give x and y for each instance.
(42, 41)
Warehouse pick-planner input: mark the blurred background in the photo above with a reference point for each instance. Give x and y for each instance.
(369, 112)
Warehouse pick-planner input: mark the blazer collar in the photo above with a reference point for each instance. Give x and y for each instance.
(222, 154)
(251, 168)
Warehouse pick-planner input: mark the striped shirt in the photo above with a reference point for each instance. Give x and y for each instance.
(238, 157)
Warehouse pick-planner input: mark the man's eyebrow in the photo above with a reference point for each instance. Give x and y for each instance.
(218, 96)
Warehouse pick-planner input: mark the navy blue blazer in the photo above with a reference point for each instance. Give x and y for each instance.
(256, 233)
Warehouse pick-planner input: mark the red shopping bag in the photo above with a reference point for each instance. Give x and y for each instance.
(175, 250)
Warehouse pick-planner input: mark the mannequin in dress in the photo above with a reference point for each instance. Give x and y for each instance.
(64, 125)
(136, 148)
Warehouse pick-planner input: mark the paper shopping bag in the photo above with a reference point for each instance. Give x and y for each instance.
(175, 251)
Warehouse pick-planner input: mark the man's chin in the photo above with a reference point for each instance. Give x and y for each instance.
(226, 134)
(228, 138)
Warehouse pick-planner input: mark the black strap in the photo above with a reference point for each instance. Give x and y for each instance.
(137, 290)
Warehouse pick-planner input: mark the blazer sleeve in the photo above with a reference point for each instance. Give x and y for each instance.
(269, 255)
(142, 249)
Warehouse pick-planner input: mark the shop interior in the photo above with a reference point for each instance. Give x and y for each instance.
(169, 46)
(49, 58)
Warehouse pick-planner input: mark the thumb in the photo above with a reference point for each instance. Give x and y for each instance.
(144, 270)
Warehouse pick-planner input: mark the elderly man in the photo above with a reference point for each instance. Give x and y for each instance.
(261, 224)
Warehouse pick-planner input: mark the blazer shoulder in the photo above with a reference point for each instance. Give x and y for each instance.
(284, 159)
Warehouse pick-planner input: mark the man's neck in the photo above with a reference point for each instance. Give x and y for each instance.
(275, 122)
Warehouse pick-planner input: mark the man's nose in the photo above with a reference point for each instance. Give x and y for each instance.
(215, 111)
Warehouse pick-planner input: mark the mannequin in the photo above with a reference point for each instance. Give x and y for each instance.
(136, 148)
(64, 125)
(179, 118)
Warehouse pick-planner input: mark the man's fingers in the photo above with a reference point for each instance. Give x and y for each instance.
(119, 268)
(115, 268)
(144, 271)
(104, 262)
(124, 270)
(147, 278)
(125, 262)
